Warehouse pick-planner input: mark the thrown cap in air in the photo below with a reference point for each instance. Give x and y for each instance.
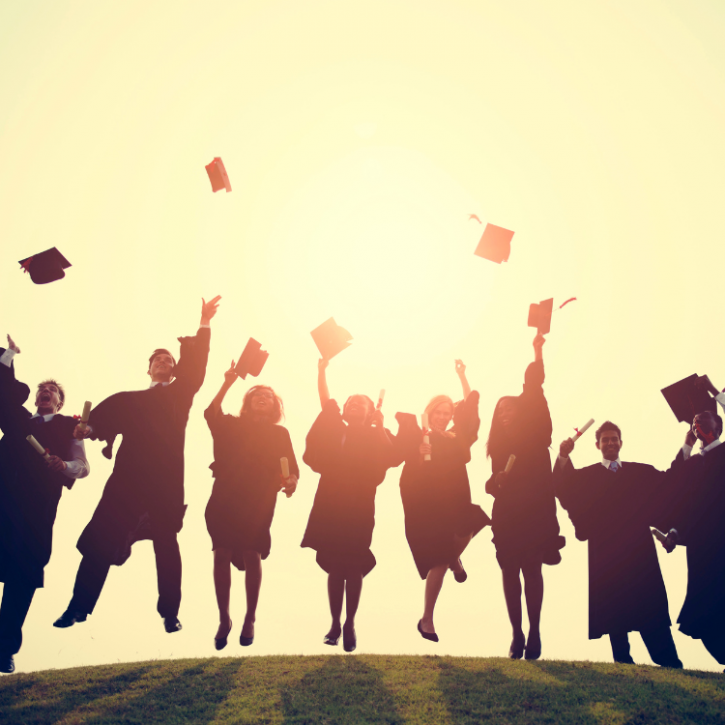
(687, 400)
(252, 360)
(540, 315)
(218, 175)
(46, 266)
(330, 338)
(495, 244)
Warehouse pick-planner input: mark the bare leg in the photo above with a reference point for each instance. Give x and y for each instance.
(252, 584)
(534, 592)
(223, 586)
(353, 589)
(512, 593)
(335, 593)
(433, 584)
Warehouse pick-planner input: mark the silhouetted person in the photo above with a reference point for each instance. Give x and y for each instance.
(612, 506)
(525, 527)
(698, 522)
(247, 479)
(352, 451)
(144, 497)
(30, 490)
(440, 519)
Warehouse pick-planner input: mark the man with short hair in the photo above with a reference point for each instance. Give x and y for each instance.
(612, 505)
(698, 522)
(30, 490)
(144, 497)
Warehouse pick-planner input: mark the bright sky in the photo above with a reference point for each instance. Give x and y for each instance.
(358, 138)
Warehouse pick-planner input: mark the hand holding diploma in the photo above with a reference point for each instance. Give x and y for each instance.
(54, 463)
(289, 483)
(84, 415)
(381, 398)
(12, 346)
(425, 449)
(581, 431)
(669, 541)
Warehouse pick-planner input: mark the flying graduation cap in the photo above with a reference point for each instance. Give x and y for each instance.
(218, 175)
(495, 244)
(46, 266)
(252, 360)
(330, 338)
(540, 315)
(687, 400)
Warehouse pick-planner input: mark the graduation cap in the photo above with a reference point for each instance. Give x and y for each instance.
(330, 338)
(540, 315)
(252, 360)
(495, 244)
(218, 175)
(45, 267)
(687, 400)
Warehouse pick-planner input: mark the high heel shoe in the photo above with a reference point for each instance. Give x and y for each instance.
(221, 642)
(332, 639)
(430, 636)
(460, 576)
(533, 648)
(246, 641)
(516, 651)
(349, 641)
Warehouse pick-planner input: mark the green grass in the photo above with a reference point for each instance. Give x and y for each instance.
(363, 689)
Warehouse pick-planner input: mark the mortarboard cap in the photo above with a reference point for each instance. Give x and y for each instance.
(540, 315)
(687, 400)
(330, 338)
(252, 360)
(218, 175)
(495, 244)
(46, 266)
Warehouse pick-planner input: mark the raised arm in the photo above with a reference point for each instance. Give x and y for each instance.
(229, 379)
(539, 341)
(461, 372)
(322, 364)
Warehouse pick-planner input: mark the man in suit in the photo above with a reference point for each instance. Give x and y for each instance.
(612, 505)
(698, 522)
(144, 497)
(30, 490)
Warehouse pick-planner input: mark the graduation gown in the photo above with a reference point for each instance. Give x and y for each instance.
(614, 512)
(525, 527)
(698, 514)
(29, 490)
(247, 481)
(352, 462)
(436, 494)
(145, 492)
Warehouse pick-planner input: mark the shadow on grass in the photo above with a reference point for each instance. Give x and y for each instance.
(343, 690)
(586, 693)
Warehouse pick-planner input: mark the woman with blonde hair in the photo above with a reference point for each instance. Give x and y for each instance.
(440, 519)
(247, 479)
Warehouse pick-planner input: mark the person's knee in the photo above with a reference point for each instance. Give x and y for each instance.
(222, 557)
(252, 559)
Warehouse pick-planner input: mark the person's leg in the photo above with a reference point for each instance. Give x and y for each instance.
(252, 585)
(433, 584)
(17, 596)
(512, 594)
(353, 589)
(168, 574)
(223, 587)
(661, 647)
(335, 594)
(89, 583)
(620, 648)
(715, 645)
(534, 593)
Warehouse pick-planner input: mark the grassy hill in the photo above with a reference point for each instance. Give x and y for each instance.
(363, 689)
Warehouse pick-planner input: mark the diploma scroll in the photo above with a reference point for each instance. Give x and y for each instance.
(510, 463)
(33, 442)
(85, 414)
(381, 397)
(581, 431)
(426, 437)
(284, 464)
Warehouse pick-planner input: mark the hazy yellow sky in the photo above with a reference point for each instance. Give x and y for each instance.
(358, 138)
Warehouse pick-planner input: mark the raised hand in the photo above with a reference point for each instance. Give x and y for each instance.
(230, 376)
(208, 309)
(460, 367)
(290, 485)
(566, 447)
(81, 431)
(704, 383)
(690, 438)
(322, 364)
(12, 346)
(378, 419)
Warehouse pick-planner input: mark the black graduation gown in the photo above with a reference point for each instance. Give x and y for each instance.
(29, 490)
(145, 492)
(699, 517)
(614, 512)
(352, 461)
(436, 494)
(525, 527)
(247, 480)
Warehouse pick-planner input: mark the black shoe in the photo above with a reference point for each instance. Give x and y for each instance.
(625, 660)
(430, 636)
(245, 641)
(349, 641)
(7, 664)
(460, 576)
(69, 618)
(533, 648)
(221, 642)
(172, 624)
(331, 638)
(516, 650)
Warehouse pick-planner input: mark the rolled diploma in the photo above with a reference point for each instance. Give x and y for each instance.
(381, 397)
(426, 438)
(584, 429)
(33, 442)
(84, 415)
(662, 538)
(510, 463)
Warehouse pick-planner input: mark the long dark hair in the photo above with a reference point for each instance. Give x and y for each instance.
(278, 411)
(498, 436)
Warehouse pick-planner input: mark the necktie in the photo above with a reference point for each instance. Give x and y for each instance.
(613, 466)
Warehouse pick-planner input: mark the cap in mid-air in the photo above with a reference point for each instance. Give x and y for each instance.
(495, 244)
(252, 360)
(687, 399)
(330, 338)
(46, 266)
(540, 315)
(218, 175)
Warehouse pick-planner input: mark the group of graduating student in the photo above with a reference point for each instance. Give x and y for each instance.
(611, 504)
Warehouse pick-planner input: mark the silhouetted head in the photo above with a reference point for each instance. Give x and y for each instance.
(440, 412)
(262, 403)
(707, 427)
(503, 425)
(358, 410)
(49, 398)
(609, 440)
(161, 366)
